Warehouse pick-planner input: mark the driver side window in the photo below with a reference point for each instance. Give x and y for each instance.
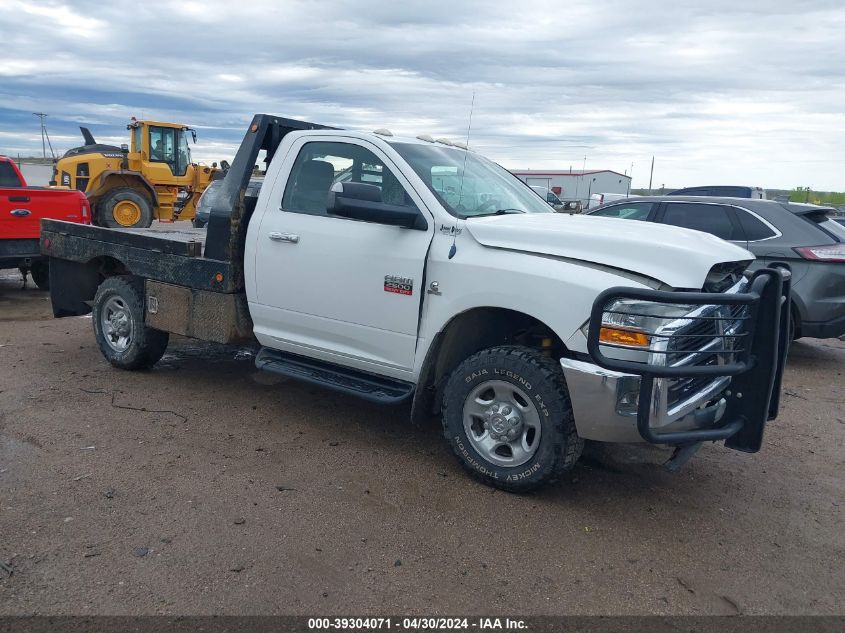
(321, 164)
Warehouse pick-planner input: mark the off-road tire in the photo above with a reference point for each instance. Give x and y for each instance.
(106, 205)
(146, 345)
(40, 272)
(540, 378)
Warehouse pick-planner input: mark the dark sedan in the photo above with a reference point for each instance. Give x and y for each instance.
(803, 236)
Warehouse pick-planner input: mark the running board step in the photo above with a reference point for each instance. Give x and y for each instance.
(343, 379)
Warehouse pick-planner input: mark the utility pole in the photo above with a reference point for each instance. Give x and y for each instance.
(41, 116)
(628, 193)
(651, 175)
(580, 178)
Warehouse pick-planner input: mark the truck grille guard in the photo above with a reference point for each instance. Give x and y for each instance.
(729, 345)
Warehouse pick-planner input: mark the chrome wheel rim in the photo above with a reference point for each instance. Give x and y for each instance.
(116, 323)
(502, 423)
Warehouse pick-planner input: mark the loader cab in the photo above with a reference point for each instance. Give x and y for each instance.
(162, 148)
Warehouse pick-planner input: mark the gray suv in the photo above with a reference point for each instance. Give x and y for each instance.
(802, 236)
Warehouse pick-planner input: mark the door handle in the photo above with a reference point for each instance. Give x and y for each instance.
(20, 213)
(284, 237)
(18, 198)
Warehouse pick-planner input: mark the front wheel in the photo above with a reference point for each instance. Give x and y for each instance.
(508, 418)
(124, 208)
(119, 328)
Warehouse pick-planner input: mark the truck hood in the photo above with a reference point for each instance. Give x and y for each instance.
(679, 257)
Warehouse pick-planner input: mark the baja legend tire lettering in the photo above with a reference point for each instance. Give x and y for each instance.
(541, 404)
(475, 374)
(508, 373)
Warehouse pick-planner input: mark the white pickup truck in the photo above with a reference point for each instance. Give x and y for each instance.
(406, 270)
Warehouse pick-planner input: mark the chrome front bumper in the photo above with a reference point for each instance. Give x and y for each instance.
(605, 403)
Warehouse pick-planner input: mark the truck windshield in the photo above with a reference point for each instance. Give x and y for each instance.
(483, 188)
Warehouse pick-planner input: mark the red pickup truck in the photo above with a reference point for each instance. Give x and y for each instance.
(21, 211)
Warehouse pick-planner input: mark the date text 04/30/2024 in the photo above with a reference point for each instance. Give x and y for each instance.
(416, 623)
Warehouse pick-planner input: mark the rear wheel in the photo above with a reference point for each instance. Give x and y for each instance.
(508, 417)
(124, 208)
(119, 328)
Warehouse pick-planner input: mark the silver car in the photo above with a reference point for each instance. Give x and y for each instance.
(805, 237)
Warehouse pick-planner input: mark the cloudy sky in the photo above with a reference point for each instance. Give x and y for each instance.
(720, 92)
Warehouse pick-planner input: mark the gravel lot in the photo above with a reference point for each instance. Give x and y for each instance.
(207, 487)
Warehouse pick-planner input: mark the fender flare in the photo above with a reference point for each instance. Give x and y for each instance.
(94, 193)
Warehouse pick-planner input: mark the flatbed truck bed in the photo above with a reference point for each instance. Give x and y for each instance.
(187, 293)
(172, 255)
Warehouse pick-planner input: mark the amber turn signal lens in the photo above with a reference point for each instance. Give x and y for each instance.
(623, 336)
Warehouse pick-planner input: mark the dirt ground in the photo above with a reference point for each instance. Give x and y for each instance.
(207, 487)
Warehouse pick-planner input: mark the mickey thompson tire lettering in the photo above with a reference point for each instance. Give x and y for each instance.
(540, 378)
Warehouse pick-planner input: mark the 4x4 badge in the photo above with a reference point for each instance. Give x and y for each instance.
(399, 285)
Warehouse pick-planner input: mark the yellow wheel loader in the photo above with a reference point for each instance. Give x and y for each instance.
(131, 185)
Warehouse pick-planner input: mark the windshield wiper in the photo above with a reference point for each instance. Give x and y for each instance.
(497, 212)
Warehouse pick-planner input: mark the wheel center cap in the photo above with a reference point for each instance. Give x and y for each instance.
(120, 324)
(503, 422)
(498, 423)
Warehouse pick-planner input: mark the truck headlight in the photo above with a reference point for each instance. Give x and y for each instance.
(633, 323)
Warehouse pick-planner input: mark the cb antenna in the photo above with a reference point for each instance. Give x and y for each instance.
(454, 248)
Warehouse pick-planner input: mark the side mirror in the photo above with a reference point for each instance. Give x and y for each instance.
(362, 201)
(570, 207)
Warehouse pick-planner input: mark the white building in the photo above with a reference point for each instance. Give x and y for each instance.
(575, 184)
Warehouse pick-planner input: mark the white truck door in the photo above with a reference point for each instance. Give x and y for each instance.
(333, 288)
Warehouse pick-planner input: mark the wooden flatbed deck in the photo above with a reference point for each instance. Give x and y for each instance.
(176, 232)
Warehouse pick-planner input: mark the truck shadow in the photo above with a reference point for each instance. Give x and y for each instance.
(415, 458)
(22, 304)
